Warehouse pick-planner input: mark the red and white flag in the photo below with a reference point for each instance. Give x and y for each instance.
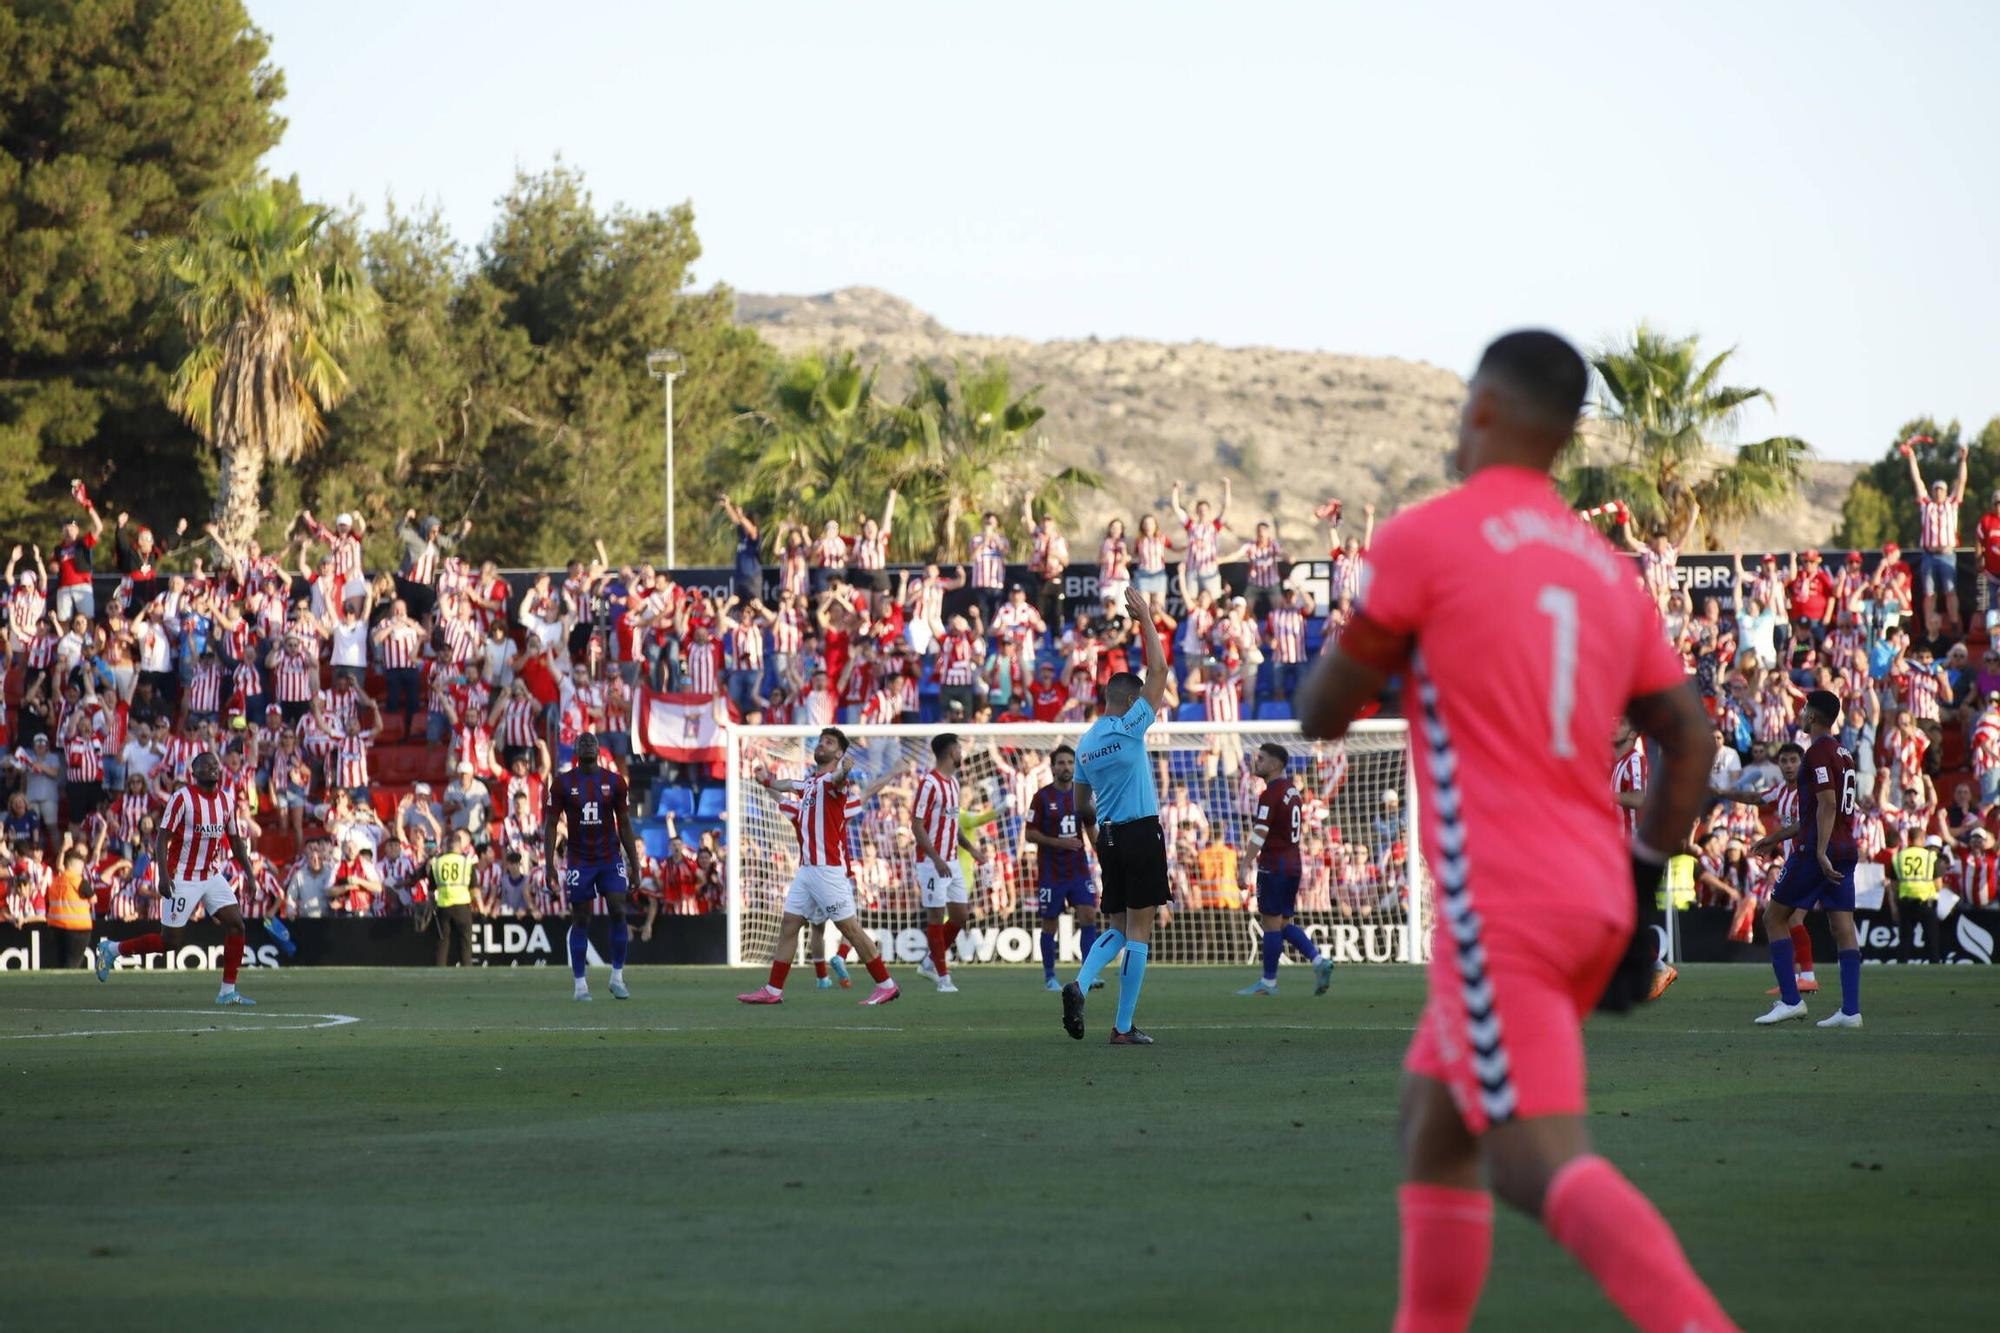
(679, 728)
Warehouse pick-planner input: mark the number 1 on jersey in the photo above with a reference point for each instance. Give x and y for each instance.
(1559, 605)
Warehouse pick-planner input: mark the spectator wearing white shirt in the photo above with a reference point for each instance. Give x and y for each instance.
(311, 881)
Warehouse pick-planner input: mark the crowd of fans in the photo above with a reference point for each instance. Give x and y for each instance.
(1887, 633)
(364, 717)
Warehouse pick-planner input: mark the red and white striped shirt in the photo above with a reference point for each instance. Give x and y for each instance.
(704, 667)
(177, 754)
(1906, 750)
(959, 664)
(871, 552)
(1201, 553)
(989, 560)
(298, 677)
(788, 632)
(82, 760)
(1114, 561)
(1287, 628)
(1921, 691)
(205, 689)
(517, 723)
(1939, 523)
(936, 811)
(1051, 551)
(793, 570)
(1347, 575)
(746, 648)
(1012, 618)
(462, 636)
(42, 651)
(1150, 553)
(1868, 836)
(25, 609)
(350, 760)
(1986, 743)
(126, 812)
(1630, 775)
(1222, 701)
(818, 812)
(198, 824)
(245, 683)
(830, 553)
(1264, 558)
(402, 644)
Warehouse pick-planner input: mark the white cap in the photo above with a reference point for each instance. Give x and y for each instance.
(1934, 841)
(344, 521)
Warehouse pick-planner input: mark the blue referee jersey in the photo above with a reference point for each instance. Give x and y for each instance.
(1111, 761)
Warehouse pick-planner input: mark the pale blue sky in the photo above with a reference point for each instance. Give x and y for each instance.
(1815, 183)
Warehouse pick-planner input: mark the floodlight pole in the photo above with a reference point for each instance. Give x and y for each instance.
(664, 364)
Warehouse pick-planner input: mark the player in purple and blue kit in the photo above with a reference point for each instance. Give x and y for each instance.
(1060, 821)
(1820, 872)
(590, 801)
(1274, 851)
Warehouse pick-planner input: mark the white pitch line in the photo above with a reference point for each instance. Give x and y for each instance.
(330, 1021)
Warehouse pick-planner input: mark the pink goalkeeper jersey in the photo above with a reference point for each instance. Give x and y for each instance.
(1529, 637)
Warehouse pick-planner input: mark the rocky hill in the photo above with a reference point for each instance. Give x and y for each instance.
(1287, 428)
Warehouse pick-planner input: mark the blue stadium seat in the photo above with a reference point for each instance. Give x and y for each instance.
(654, 837)
(1191, 712)
(675, 800)
(1315, 635)
(1274, 710)
(711, 803)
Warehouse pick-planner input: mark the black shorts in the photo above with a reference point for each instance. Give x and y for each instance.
(1133, 857)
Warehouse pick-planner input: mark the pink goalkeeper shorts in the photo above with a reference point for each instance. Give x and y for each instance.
(1503, 1026)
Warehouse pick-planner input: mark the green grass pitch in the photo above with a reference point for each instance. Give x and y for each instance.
(478, 1151)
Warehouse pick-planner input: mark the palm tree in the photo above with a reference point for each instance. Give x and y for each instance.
(268, 310)
(980, 457)
(826, 447)
(1669, 422)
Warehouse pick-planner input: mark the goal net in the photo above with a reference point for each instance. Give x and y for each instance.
(1364, 895)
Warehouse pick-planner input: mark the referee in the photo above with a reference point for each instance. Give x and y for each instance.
(1113, 771)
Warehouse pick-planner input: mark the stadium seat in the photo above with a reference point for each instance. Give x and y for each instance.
(1315, 635)
(711, 803)
(674, 799)
(1274, 710)
(654, 838)
(1191, 712)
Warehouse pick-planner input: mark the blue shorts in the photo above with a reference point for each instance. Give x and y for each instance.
(1802, 884)
(1277, 892)
(1054, 897)
(582, 883)
(1937, 573)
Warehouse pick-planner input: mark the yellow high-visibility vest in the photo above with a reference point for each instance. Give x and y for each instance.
(451, 878)
(1916, 872)
(1678, 880)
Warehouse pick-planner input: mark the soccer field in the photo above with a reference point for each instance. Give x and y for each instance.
(402, 1149)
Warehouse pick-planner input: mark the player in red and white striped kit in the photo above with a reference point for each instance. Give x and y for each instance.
(941, 883)
(197, 831)
(820, 890)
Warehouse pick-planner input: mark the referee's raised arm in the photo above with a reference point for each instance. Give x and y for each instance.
(1141, 612)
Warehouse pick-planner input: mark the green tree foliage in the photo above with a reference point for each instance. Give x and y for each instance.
(825, 447)
(117, 117)
(1881, 504)
(1670, 419)
(576, 415)
(982, 456)
(269, 310)
(828, 446)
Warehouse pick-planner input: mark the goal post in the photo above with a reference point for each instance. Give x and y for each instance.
(1364, 896)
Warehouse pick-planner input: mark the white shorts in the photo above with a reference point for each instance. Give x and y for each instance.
(179, 902)
(937, 890)
(820, 894)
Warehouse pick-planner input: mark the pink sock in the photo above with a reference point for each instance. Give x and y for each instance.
(1447, 1243)
(1615, 1232)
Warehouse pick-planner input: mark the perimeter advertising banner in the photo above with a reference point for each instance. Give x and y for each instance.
(386, 942)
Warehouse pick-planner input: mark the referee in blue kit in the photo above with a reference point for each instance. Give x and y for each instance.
(1131, 851)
